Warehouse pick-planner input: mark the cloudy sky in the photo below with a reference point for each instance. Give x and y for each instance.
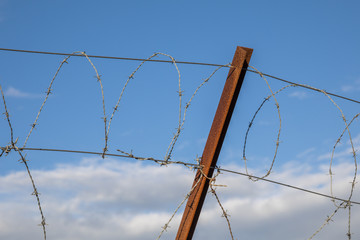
(87, 197)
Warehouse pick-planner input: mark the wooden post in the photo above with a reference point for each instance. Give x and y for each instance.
(214, 142)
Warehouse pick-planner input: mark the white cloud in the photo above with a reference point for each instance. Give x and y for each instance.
(299, 95)
(351, 88)
(108, 199)
(182, 145)
(343, 152)
(306, 153)
(16, 93)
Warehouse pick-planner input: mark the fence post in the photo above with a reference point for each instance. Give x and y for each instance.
(214, 142)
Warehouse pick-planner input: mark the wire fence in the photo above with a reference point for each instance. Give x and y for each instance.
(339, 203)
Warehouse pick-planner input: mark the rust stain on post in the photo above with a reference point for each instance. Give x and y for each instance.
(214, 142)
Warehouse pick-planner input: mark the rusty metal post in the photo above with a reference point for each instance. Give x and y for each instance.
(214, 142)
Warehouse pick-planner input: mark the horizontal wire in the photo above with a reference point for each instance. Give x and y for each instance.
(285, 185)
(186, 164)
(181, 62)
(109, 57)
(304, 86)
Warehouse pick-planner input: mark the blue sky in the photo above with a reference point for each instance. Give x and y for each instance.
(85, 197)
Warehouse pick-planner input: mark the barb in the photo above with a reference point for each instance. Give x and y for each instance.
(176, 136)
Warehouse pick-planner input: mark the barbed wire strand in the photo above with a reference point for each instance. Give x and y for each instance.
(7, 149)
(132, 76)
(279, 130)
(333, 152)
(176, 136)
(212, 186)
(103, 98)
(46, 97)
(116, 108)
(35, 192)
(327, 221)
(166, 226)
(349, 222)
(7, 116)
(252, 122)
(24, 161)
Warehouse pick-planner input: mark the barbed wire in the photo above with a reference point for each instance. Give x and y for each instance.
(344, 203)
